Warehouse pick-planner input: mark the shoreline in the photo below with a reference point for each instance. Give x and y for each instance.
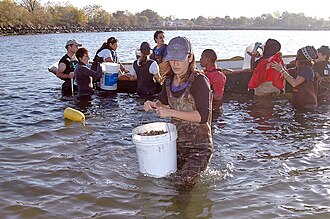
(31, 30)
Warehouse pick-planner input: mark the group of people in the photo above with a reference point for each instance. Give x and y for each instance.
(186, 96)
(189, 96)
(308, 74)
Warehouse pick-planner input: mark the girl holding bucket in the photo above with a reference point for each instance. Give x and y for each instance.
(186, 98)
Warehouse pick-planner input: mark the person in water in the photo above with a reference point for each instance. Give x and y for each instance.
(107, 53)
(146, 72)
(216, 77)
(266, 80)
(304, 85)
(84, 75)
(160, 50)
(66, 66)
(322, 71)
(186, 99)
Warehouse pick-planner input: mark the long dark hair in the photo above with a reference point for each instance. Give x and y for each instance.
(144, 59)
(145, 53)
(106, 45)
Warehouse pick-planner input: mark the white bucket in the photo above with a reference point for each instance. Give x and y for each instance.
(156, 154)
(110, 76)
(247, 58)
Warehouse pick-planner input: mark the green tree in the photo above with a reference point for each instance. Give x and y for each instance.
(201, 21)
(215, 21)
(133, 20)
(12, 14)
(97, 16)
(67, 15)
(143, 21)
(265, 20)
(152, 16)
(122, 18)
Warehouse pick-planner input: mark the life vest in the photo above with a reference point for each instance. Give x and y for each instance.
(158, 53)
(264, 72)
(145, 82)
(98, 59)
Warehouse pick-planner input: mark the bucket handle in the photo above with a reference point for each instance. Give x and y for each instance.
(169, 131)
(143, 118)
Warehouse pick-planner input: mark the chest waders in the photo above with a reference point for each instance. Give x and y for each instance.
(194, 143)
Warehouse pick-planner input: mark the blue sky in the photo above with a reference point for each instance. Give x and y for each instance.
(211, 8)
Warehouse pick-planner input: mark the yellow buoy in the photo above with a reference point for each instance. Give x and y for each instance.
(74, 115)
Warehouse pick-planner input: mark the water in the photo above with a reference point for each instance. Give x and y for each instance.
(270, 161)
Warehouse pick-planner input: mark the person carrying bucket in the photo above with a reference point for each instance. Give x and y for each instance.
(66, 67)
(186, 99)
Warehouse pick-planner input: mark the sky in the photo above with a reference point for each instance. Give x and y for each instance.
(210, 8)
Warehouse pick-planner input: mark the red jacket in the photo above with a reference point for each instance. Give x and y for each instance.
(264, 72)
(217, 79)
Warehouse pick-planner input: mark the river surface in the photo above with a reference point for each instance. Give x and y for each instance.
(269, 161)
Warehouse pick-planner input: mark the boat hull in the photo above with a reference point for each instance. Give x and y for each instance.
(237, 80)
(236, 83)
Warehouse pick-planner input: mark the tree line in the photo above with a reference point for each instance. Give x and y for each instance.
(34, 15)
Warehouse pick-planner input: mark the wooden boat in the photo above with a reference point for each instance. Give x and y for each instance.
(237, 80)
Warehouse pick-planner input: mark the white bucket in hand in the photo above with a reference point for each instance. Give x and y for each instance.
(110, 76)
(157, 153)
